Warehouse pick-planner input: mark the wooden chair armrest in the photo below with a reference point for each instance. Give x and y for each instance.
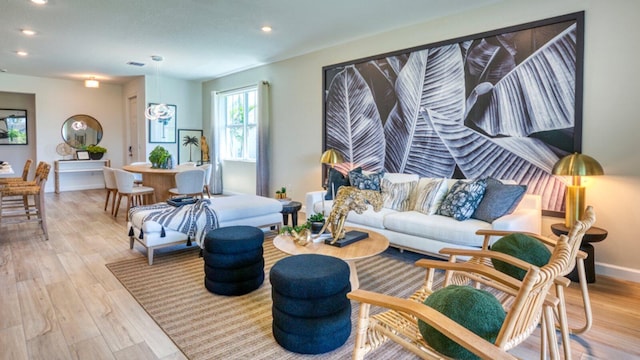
(488, 254)
(489, 232)
(582, 255)
(563, 281)
(445, 325)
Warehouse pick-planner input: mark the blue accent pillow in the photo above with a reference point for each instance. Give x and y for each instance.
(463, 199)
(498, 200)
(475, 309)
(366, 182)
(522, 247)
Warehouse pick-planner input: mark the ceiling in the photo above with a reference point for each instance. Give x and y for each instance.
(199, 39)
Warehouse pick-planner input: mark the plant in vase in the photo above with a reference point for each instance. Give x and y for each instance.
(282, 193)
(159, 157)
(96, 152)
(316, 222)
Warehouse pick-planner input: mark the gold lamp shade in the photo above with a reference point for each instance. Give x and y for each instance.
(576, 165)
(331, 157)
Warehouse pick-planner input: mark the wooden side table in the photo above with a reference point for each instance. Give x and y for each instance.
(292, 209)
(594, 234)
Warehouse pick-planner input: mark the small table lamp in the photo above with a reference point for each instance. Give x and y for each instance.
(576, 165)
(330, 157)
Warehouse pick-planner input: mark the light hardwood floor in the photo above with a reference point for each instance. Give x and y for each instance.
(59, 301)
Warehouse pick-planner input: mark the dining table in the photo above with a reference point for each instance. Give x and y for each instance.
(161, 180)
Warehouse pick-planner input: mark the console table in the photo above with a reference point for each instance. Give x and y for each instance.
(77, 166)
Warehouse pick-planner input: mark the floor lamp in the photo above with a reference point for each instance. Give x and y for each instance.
(576, 165)
(330, 157)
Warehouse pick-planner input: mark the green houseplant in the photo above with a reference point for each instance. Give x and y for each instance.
(159, 157)
(96, 152)
(316, 222)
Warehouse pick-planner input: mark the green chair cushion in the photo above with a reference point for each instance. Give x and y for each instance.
(522, 247)
(475, 309)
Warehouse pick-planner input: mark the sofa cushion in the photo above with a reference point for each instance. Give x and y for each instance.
(336, 179)
(428, 195)
(436, 227)
(370, 217)
(229, 208)
(463, 199)
(366, 181)
(396, 196)
(498, 200)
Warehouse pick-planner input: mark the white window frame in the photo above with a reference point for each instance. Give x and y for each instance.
(226, 124)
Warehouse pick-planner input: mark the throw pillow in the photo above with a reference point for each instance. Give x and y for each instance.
(475, 309)
(366, 182)
(429, 195)
(522, 247)
(336, 179)
(498, 200)
(396, 195)
(463, 199)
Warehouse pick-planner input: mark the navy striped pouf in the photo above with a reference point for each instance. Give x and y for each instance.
(311, 312)
(233, 261)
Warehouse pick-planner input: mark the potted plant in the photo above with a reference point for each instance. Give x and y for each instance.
(316, 222)
(282, 193)
(96, 152)
(159, 157)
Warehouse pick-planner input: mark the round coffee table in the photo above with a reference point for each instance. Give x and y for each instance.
(362, 249)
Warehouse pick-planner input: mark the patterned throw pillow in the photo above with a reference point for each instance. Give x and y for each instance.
(429, 195)
(366, 182)
(336, 179)
(498, 200)
(463, 199)
(396, 195)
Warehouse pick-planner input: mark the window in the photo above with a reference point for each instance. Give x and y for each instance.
(238, 111)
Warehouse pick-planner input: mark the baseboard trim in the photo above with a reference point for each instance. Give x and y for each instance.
(618, 272)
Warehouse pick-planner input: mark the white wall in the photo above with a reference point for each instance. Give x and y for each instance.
(610, 125)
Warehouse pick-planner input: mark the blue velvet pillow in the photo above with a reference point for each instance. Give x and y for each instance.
(463, 199)
(366, 182)
(336, 179)
(475, 309)
(498, 200)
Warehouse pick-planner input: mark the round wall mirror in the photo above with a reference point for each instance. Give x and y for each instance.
(81, 130)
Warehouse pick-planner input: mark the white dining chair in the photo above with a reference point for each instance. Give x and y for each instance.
(138, 177)
(134, 194)
(207, 178)
(189, 183)
(111, 186)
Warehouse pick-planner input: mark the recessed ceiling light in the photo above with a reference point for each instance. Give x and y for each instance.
(28, 32)
(22, 53)
(266, 28)
(92, 83)
(40, 2)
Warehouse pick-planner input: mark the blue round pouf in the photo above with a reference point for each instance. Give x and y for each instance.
(233, 260)
(311, 311)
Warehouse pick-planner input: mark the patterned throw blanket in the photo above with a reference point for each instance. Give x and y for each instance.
(195, 220)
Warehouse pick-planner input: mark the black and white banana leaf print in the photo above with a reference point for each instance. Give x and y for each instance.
(477, 108)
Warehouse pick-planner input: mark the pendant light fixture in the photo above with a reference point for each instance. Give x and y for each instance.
(160, 112)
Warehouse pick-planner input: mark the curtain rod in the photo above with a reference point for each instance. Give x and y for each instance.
(222, 92)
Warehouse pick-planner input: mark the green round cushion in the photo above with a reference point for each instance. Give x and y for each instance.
(522, 247)
(475, 309)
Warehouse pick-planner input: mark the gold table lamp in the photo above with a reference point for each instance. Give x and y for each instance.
(576, 165)
(330, 157)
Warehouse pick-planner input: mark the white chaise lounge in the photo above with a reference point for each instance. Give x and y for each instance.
(248, 210)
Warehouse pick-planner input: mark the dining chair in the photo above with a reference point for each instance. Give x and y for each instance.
(207, 178)
(138, 177)
(134, 194)
(189, 183)
(15, 202)
(111, 186)
(25, 174)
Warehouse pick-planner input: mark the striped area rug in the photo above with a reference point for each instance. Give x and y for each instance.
(208, 326)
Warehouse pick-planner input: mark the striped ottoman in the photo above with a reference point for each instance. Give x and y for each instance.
(233, 262)
(311, 312)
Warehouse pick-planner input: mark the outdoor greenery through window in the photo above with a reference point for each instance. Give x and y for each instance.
(239, 110)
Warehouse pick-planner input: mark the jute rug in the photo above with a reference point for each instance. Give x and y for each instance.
(208, 326)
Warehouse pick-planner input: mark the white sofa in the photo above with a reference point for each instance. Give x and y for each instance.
(427, 234)
(250, 210)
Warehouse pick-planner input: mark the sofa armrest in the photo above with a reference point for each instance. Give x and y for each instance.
(310, 199)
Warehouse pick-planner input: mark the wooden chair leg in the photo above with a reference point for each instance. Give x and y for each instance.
(582, 277)
(106, 201)
(129, 201)
(40, 208)
(563, 322)
(118, 205)
(113, 202)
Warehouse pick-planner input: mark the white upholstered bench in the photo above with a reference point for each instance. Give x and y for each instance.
(248, 210)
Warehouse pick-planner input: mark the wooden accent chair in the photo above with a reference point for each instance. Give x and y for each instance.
(111, 186)
(529, 300)
(575, 235)
(189, 183)
(15, 201)
(25, 174)
(134, 194)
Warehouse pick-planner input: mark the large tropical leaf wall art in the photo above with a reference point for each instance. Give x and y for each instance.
(505, 104)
